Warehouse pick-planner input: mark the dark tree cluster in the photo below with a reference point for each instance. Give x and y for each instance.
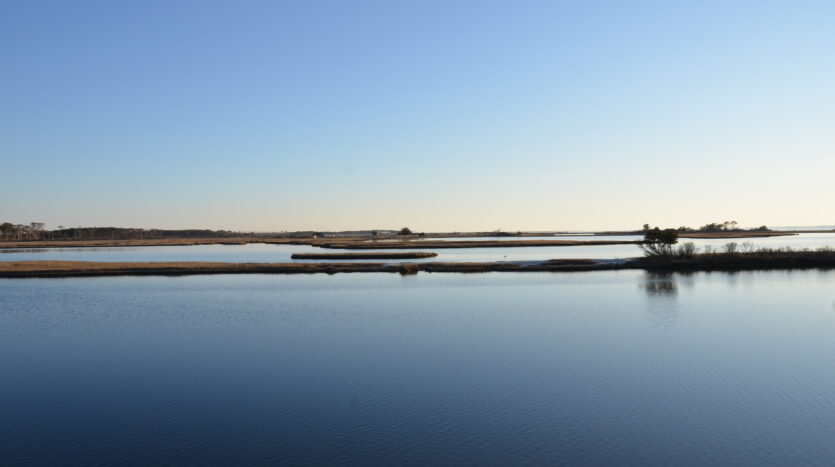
(658, 242)
(36, 231)
(714, 227)
(31, 231)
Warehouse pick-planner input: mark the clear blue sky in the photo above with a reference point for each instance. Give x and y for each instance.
(447, 115)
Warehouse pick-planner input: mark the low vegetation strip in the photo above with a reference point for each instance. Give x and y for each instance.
(733, 234)
(429, 244)
(85, 268)
(368, 255)
(772, 259)
(351, 243)
(373, 242)
(731, 259)
(29, 269)
(146, 242)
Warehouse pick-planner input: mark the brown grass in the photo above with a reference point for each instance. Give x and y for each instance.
(11, 269)
(775, 259)
(148, 242)
(369, 242)
(429, 244)
(763, 258)
(732, 234)
(89, 268)
(354, 243)
(366, 255)
(342, 242)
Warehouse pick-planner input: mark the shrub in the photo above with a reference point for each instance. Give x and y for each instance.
(405, 231)
(659, 242)
(686, 250)
(656, 235)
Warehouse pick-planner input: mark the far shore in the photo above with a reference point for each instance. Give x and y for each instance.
(428, 241)
(444, 244)
(734, 234)
(147, 242)
(728, 234)
(347, 243)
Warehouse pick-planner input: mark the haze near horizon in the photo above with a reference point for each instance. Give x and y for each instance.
(440, 116)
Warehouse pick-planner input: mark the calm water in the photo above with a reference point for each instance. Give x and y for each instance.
(604, 368)
(282, 253)
(544, 237)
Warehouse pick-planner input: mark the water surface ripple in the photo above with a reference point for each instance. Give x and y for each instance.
(612, 368)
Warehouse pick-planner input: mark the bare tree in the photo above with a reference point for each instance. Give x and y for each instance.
(37, 229)
(7, 229)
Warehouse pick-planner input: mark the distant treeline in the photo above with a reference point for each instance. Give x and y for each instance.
(32, 231)
(119, 233)
(36, 231)
(727, 226)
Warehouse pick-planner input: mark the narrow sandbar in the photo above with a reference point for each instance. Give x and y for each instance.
(366, 255)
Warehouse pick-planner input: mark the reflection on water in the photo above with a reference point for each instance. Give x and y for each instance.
(600, 368)
(661, 289)
(659, 283)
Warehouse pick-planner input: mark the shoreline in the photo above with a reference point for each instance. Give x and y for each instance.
(447, 244)
(389, 243)
(32, 244)
(366, 255)
(326, 243)
(43, 269)
(735, 234)
(714, 262)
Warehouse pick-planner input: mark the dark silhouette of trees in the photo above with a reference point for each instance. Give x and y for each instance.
(717, 227)
(727, 226)
(33, 231)
(37, 231)
(7, 230)
(659, 242)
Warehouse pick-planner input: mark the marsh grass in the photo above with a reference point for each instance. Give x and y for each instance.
(745, 256)
(366, 255)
